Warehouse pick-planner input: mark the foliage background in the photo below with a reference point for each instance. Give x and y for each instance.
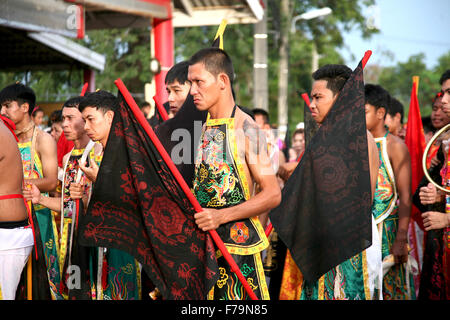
(127, 54)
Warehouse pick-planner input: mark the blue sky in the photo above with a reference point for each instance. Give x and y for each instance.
(407, 27)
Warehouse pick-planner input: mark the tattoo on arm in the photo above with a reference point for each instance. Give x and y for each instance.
(257, 141)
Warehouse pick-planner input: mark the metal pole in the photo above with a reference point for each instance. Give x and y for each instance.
(260, 83)
(283, 73)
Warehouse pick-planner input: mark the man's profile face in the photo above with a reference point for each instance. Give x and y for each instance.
(438, 117)
(393, 123)
(446, 96)
(72, 123)
(373, 116)
(97, 123)
(322, 100)
(205, 89)
(177, 95)
(13, 111)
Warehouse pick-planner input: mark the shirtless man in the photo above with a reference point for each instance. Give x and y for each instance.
(40, 167)
(17, 102)
(394, 181)
(16, 240)
(232, 157)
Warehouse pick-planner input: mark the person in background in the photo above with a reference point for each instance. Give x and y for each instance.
(435, 277)
(55, 124)
(394, 118)
(394, 182)
(298, 145)
(38, 117)
(177, 86)
(438, 120)
(146, 108)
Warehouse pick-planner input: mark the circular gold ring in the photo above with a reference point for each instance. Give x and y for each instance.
(425, 155)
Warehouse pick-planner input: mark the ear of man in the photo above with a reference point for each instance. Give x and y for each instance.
(224, 80)
(381, 112)
(25, 107)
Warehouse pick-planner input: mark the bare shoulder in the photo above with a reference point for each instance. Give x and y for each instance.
(395, 143)
(396, 148)
(7, 139)
(244, 121)
(44, 141)
(249, 127)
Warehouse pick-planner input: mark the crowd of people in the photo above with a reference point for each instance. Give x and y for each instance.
(46, 178)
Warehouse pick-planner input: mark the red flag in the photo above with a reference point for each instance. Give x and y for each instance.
(63, 146)
(415, 141)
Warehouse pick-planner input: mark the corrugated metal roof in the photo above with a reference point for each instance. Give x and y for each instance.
(21, 50)
(211, 12)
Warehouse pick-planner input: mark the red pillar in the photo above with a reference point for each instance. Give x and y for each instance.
(89, 77)
(163, 42)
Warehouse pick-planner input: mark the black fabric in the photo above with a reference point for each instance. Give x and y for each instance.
(85, 259)
(157, 118)
(311, 126)
(431, 278)
(274, 270)
(287, 143)
(435, 174)
(137, 207)
(325, 214)
(13, 224)
(188, 122)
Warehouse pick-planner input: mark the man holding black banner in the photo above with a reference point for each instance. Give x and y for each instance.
(325, 215)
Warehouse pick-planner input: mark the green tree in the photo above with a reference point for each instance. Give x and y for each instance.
(398, 80)
(127, 54)
(325, 33)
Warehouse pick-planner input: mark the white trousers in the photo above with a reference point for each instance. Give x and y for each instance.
(12, 262)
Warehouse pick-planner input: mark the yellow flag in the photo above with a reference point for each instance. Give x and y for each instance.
(218, 39)
(416, 81)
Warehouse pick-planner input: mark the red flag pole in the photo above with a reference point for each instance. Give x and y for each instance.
(366, 57)
(218, 241)
(268, 229)
(306, 99)
(83, 91)
(162, 111)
